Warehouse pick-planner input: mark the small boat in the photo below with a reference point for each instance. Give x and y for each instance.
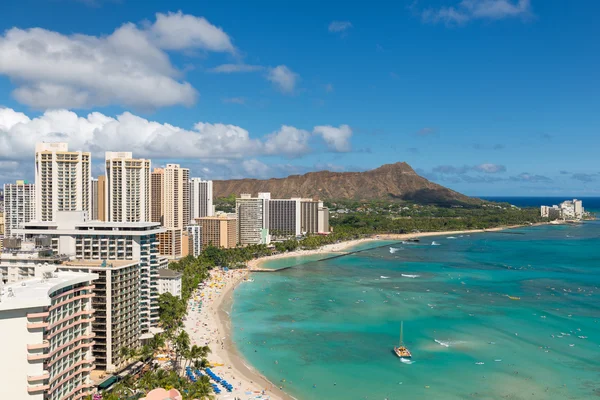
(401, 350)
(514, 298)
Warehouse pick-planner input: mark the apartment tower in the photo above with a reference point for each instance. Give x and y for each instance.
(218, 231)
(201, 198)
(127, 197)
(253, 219)
(157, 181)
(19, 205)
(62, 180)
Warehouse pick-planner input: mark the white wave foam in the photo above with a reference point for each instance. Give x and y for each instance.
(434, 243)
(451, 237)
(384, 277)
(410, 276)
(394, 249)
(445, 344)
(406, 360)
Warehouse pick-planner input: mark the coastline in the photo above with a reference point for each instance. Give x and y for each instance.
(216, 317)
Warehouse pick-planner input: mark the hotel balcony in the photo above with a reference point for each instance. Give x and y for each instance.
(37, 388)
(37, 357)
(37, 346)
(35, 378)
(37, 325)
(38, 315)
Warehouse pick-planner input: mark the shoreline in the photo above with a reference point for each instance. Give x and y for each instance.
(217, 316)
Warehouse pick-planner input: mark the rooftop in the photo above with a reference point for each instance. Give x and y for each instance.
(35, 292)
(100, 263)
(168, 273)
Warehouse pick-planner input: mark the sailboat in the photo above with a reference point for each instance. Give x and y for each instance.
(401, 350)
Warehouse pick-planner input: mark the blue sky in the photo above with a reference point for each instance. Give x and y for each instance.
(488, 97)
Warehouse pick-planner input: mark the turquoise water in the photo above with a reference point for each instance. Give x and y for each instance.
(325, 330)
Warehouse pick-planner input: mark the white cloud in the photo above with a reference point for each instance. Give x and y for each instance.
(233, 68)
(98, 133)
(284, 78)
(337, 139)
(339, 26)
(490, 168)
(178, 31)
(256, 168)
(288, 141)
(128, 67)
(468, 10)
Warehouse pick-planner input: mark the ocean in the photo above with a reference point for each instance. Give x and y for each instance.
(326, 329)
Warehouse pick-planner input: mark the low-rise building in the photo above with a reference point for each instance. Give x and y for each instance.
(169, 281)
(47, 338)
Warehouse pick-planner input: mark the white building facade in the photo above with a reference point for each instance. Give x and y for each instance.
(169, 281)
(19, 205)
(253, 219)
(46, 325)
(201, 198)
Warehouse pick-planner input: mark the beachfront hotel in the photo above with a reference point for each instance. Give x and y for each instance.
(128, 186)
(218, 231)
(46, 325)
(19, 205)
(284, 217)
(567, 210)
(314, 216)
(73, 235)
(201, 198)
(62, 180)
(253, 219)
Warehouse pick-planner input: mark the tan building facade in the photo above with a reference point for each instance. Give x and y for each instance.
(218, 231)
(176, 197)
(101, 193)
(62, 180)
(157, 180)
(128, 188)
(170, 243)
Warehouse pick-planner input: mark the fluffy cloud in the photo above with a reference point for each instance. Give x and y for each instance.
(468, 10)
(283, 78)
(150, 139)
(337, 139)
(339, 26)
(178, 31)
(128, 67)
(288, 141)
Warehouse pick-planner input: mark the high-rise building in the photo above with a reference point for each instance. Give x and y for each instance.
(201, 198)
(100, 198)
(19, 205)
(253, 219)
(62, 180)
(170, 243)
(284, 217)
(46, 325)
(218, 231)
(194, 232)
(74, 235)
(157, 179)
(176, 197)
(128, 187)
(94, 210)
(314, 216)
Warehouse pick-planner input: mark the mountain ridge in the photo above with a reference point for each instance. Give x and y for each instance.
(396, 181)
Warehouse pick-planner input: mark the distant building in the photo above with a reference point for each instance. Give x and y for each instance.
(176, 197)
(195, 235)
(157, 179)
(169, 281)
(567, 210)
(46, 325)
(314, 216)
(253, 219)
(545, 211)
(100, 196)
(170, 243)
(19, 205)
(62, 180)
(127, 197)
(284, 217)
(94, 191)
(218, 231)
(201, 198)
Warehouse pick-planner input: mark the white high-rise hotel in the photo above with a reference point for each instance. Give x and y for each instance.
(127, 198)
(62, 180)
(19, 205)
(201, 198)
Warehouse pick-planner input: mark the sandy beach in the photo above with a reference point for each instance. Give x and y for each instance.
(209, 324)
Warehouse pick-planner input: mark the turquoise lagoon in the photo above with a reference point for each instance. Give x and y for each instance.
(325, 329)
